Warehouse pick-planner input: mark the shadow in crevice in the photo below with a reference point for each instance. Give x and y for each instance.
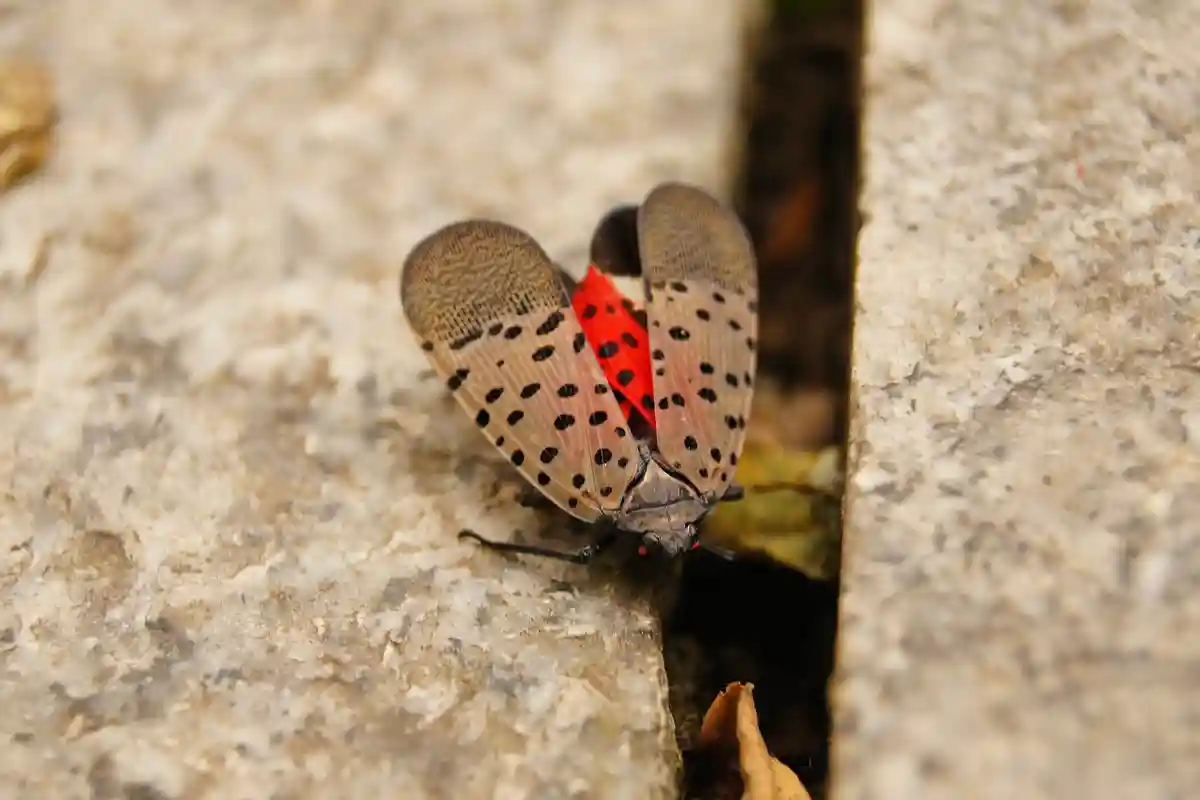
(797, 192)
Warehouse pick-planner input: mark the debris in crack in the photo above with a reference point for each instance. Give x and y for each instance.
(742, 765)
(756, 621)
(27, 116)
(791, 510)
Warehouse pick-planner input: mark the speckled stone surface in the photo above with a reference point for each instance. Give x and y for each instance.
(228, 487)
(1021, 592)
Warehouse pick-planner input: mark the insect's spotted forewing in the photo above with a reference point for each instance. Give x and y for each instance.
(702, 300)
(495, 319)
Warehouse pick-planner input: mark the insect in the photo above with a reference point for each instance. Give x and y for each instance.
(634, 423)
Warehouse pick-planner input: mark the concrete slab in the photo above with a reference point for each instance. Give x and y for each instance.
(229, 492)
(1022, 549)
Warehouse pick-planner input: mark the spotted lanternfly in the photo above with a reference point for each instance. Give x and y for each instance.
(632, 422)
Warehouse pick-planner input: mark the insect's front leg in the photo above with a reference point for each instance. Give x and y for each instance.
(581, 556)
(733, 493)
(718, 551)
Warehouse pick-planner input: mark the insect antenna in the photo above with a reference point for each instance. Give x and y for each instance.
(581, 556)
(720, 552)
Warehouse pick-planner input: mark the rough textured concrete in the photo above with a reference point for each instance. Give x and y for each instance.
(1022, 555)
(228, 496)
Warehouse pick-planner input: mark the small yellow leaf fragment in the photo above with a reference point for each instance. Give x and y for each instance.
(731, 726)
(789, 512)
(27, 116)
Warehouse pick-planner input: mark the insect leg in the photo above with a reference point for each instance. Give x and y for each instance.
(718, 551)
(581, 556)
(733, 492)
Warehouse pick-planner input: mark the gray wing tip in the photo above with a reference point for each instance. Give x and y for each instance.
(431, 253)
(674, 198)
(432, 248)
(674, 209)
(679, 190)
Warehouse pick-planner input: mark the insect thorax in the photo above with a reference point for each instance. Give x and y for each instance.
(662, 508)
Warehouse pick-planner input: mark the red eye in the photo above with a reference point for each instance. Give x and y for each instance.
(642, 550)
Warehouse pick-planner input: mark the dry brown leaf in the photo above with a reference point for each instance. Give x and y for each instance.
(731, 727)
(27, 115)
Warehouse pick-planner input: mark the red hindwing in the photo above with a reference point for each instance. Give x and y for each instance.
(619, 340)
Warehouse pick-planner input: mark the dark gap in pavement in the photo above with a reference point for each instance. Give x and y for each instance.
(797, 191)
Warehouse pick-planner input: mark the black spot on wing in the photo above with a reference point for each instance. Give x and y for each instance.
(463, 341)
(551, 323)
